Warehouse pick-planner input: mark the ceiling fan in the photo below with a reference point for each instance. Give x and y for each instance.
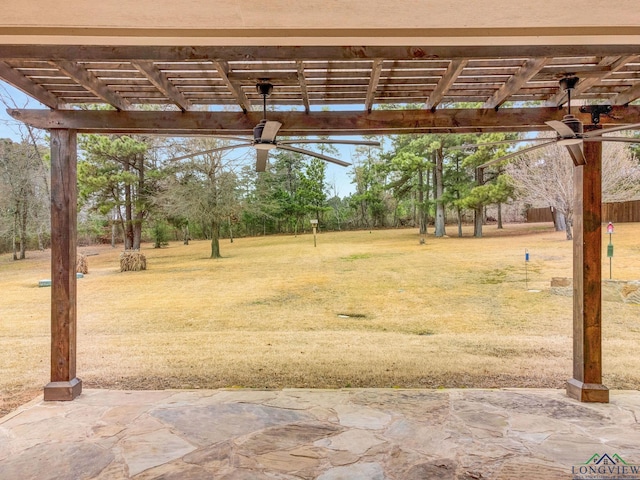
(569, 131)
(264, 139)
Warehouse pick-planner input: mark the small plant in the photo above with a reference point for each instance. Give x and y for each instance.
(160, 234)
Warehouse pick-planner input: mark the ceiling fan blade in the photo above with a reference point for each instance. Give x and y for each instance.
(500, 142)
(270, 131)
(515, 154)
(232, 137)
(261, 160)
(212, 150)
(598, 132)
(613, 139)
(576, 153)
(562, 129)
(372, 143)
(314, 154)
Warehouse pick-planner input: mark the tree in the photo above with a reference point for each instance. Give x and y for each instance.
(369, 200)
(30, 168)
(312, 190)
(458, 183)
(408, 165)
(25, 192)
(544, 178)
(112, 177)
(489, 187)
(202, 190)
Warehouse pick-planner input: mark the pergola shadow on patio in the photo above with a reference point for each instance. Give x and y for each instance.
(319, 54)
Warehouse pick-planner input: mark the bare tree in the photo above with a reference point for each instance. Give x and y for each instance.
(25, 174)
(544, 178)
(24, 200)
(202, 189)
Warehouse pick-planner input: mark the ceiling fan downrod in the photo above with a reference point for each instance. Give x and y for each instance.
(568, 84)
(264, 88)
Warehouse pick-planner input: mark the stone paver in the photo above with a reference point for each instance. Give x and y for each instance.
(349, 434)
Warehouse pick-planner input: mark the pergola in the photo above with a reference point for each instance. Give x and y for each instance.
(194, 57)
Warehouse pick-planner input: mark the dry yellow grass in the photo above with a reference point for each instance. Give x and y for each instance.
(361, 309)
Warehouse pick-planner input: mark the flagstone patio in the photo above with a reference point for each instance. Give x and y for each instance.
(371, 434)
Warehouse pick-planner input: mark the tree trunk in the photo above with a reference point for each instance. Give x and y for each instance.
(500, 216)
(137, 230)
(477, 221)
(140, 210)
(113, 232)
(14, 234)
(459, 211)
(568, 229)
(422, 214)
(560, 221)
(128, 214)
(23, 229)
(215, 240)
(478, 218)
(439, 191)
(185, 234)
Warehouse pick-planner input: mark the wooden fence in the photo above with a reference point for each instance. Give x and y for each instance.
(619, 212)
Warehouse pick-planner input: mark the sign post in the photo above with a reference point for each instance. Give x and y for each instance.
(314, 224)
(526, 272)
(610, 247)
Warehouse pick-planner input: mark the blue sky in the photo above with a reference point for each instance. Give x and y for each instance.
(9, 128)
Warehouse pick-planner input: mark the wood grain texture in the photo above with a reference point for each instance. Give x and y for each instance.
(586, 384)
(63, 263)
(378, 122)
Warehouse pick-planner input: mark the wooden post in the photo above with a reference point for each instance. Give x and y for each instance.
(586, 384)
(64, 385)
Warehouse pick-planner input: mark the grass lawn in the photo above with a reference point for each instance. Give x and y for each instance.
(359, 310)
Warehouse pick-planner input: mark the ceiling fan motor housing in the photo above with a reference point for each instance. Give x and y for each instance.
(258, 129)
(574, 124)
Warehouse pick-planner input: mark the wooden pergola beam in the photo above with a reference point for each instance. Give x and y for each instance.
(449, 77)
(378, 122)
(614, 63)
(303, 86)
(21, 82)
(376, 71)
(530, 68)
(242, 100)
(162, 83)
(91, 83)
(629, 95)
(266, 53)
